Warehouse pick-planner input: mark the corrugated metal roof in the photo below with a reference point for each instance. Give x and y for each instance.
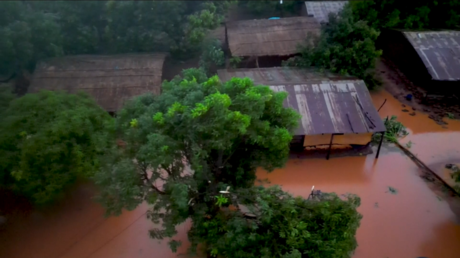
(328, 104)
(439, 51)
(321, 9)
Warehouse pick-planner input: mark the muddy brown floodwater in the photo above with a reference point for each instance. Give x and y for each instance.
(416, 221)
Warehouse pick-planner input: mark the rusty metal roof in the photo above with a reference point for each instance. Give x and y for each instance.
(327, 104)
(439, 51)
(270, 37)
(110, 80)
(320, 10)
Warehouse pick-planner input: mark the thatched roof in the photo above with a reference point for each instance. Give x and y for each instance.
(269, 37)
(111, 80)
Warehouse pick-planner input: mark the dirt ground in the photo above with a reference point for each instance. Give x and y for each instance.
(395, 82)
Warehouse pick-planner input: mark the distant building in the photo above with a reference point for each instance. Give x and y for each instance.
(110, 80)
(265, 43)
(320, 10)
(430, 59)
(333, 108)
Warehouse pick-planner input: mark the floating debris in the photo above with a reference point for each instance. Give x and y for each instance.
(392, 190)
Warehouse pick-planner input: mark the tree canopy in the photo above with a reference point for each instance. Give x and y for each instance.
(346, 45)
(48, 140)
(32, 30)
(418, 14)
(192, 153)
(272, 7)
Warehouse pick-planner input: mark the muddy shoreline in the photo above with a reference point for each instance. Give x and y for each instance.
(395, 82)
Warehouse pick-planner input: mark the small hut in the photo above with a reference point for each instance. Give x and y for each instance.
(430, 59)
(336, 111)
(110, 80)
(320, 10)
(266, 43)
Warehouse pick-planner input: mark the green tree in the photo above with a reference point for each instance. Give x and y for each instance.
(409, 15)
(272, 7)
(27, 35)
(275, 224)
(48, 140)
(212, 56)
(32, 30)
(6, 96)
(192, 153)
(346, 45)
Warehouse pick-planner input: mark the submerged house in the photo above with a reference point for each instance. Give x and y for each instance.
(110, 80)
(336, 111)
(430, 59)
(320, 10)
(266, 43)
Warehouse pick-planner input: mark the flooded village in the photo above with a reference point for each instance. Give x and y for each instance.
(410, 202)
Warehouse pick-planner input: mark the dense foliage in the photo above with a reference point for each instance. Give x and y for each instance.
(409, 14)
(48, 140)
(212, 56)
(272, 7)
(6, 96)
(192, 153)
(394, 130)
(31, 30)
(346, 45)
(279, 225)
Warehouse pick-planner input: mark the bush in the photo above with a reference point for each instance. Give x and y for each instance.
(395, 130)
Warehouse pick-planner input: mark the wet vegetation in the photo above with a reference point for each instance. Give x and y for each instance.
(346, 45)
(48, 140)
(422, 14)
(33, 30)
(395, 130)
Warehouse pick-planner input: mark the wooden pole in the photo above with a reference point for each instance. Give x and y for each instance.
(382, 105)
(330, 147)
(380, 145)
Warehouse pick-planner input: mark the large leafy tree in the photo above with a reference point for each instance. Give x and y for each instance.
(32, 30)
(192, 153)
(27, 35)
(272, 7)
(346, 45)
(409, 14)
(48, 140)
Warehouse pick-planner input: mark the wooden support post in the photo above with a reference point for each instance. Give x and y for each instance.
(257, 61)
(380, 145)
(382, 105)
(330, 147)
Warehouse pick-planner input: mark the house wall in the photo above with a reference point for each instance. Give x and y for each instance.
(346, 139)
(264, 61)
